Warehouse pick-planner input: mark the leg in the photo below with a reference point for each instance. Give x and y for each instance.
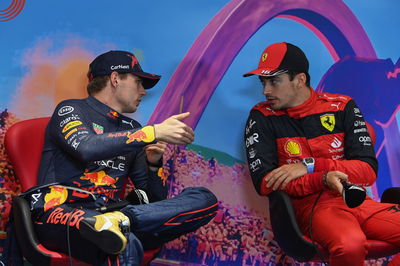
(382, 222)
(165, 220)
(53, 232)
(335, 228)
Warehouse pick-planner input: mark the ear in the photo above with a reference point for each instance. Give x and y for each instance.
(302, 78)
(114, 79)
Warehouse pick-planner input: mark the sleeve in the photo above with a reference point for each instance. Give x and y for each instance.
(145, 179)
(360, 162)
(262, 157)
(70, 129)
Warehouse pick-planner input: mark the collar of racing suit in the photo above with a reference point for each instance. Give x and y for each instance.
(104, 109)
(301, 110)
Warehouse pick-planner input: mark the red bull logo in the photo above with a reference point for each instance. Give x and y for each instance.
(161, 175)
(61, 217)
(56, 196)
(145, 134)
(100, 178)
(113, 114)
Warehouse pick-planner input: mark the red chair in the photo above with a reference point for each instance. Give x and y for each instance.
(24, 143)
(299, 247)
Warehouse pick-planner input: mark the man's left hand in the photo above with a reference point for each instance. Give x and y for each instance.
(281, 176)
(154, 152)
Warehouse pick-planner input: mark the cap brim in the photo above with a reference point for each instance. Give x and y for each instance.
(149, 80)
(265, 72)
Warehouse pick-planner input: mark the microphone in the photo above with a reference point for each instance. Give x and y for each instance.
(353, 195)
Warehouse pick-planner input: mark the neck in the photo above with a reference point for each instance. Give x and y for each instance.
(105, 97)
(303, 96)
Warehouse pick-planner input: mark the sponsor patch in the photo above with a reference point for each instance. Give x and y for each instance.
(146, 134)
(328, 121)
(70, 133)
(293, 148)
(336, 143)
(98, 129)
(71, 125)
(251, 140)
(65, 110)
(56, 196)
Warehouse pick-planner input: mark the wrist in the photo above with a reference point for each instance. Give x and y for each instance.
(324, 180)
(309, 163)
(157, 164)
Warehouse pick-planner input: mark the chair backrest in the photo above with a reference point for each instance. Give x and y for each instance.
(24, 144)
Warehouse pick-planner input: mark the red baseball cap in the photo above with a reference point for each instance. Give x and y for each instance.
(121, 62)
(279, 58)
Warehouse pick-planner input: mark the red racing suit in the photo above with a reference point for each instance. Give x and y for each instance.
(331, 129)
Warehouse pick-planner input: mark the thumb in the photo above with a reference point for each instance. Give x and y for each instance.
(181, 116)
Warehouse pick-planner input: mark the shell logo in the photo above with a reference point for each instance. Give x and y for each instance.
(293, 148)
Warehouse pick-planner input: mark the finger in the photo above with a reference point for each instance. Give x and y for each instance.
(181, 116)
(155, 149)
(274, 176)
(279, 181)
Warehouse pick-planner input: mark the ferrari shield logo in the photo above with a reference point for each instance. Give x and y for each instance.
(328, 121)
(264, 56)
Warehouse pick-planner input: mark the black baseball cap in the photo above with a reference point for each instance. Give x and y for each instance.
(279, 58)
(121, 62)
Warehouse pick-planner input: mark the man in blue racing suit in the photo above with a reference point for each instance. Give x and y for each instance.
(90, 149)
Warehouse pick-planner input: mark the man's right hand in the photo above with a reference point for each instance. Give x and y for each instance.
(173, 131)
(334, 180)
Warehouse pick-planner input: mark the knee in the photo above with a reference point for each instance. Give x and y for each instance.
(350, 247)
(203, 194)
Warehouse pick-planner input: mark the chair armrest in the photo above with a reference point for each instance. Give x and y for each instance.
(286, 230)
(391, 195)
(31, 248)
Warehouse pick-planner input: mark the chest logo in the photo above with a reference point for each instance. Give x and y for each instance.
(293, 148)
(328, 121)
(98, 129)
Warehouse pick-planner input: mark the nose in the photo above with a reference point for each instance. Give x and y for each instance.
(142, 90)
(267, 88)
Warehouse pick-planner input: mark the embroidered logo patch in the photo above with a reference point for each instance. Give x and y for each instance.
(98, 129)
(328, 121)
(293, 148)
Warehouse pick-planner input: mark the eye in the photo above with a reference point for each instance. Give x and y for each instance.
(274, 82)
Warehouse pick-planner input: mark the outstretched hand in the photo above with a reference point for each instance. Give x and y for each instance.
(173, 131)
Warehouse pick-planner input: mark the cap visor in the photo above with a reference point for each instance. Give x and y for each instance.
(265, 72)
(149, 80)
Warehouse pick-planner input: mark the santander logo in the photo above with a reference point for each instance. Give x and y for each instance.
(336, 143)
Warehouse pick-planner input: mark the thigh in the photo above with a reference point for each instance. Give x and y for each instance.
(382, 222)
(336, 227)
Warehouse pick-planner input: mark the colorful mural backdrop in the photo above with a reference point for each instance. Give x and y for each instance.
(201, 48)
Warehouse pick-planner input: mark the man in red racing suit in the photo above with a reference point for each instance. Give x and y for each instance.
(307, 143)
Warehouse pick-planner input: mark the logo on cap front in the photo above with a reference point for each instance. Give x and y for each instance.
(264, 56)
(119, 67)
(134, 60)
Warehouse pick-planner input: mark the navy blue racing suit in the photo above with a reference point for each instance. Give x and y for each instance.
(89, 151)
